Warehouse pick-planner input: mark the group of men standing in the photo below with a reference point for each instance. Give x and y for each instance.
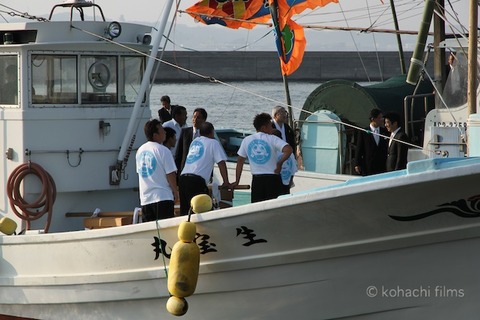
(178, 169)
(375, 153)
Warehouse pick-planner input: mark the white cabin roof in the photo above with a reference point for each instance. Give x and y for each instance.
(68, 32)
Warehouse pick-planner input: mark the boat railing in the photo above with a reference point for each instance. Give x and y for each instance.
(79, 5)
(415, 110)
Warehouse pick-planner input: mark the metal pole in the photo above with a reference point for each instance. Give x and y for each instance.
(417, 58)
(399, 39)
(439, 68)
(289, 102)
(274, 14)
(472, 58)
(145, 82)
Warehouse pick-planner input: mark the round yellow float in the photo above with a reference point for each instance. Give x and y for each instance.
(8, 226)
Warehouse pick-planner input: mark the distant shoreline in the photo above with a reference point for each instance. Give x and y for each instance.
(264, 66)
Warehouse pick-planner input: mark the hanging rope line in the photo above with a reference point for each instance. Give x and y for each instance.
(16, 13)
(375, 43)
(356, 47)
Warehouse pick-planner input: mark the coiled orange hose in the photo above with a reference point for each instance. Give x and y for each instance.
(43, 204)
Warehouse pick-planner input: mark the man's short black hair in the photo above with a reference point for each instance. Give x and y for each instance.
(150, 128)
(374, 113)
(177, 110)
(206, 129)
(169, 133)
(202, 111)
(393, 117)
(262, 119)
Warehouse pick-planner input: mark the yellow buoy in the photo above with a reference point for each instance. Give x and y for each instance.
(187, 231)
(177, 306)
(201, 203)
(7, 226)
(183, 269)
(185, 260)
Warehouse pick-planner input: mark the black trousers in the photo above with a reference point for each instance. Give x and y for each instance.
(190, 185)
(158, 210)
(266, 187)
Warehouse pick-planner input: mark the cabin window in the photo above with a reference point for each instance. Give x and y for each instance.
(54, 79)
(85, 79)
(98, 79)
(9, 79)
(131, 73)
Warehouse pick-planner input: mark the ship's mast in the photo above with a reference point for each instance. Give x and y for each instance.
(472, 58)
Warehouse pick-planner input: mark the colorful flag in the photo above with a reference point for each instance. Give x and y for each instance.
(245, 13)
(290, 46)
(290, 37)
(229, 13)
(296, 7)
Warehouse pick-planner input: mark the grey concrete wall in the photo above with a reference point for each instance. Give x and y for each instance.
(264, 65)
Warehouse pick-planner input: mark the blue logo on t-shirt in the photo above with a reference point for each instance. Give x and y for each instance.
(259, 151)
(195, 152)
(148, 163)
(286, 172)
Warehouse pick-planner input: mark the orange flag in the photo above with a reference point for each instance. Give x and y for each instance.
(290, 46)
(289, 36)
(229, 13)
(245, 13)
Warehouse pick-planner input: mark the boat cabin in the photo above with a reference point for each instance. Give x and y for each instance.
(67, 94)
(436, 125)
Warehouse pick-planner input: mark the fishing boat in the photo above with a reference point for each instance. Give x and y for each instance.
(396, 245)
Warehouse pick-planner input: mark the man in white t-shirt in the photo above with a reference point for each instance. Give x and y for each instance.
(156, 174)
(203, 153)
(262, 149)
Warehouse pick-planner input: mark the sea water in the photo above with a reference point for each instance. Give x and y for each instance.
(233, 105)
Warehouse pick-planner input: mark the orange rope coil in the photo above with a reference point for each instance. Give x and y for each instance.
(43, 204)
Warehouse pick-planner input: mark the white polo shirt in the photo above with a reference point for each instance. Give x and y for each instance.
(154, 161)
(202, 155)
(261, 149)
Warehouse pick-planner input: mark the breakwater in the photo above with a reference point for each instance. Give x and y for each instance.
(264, 65)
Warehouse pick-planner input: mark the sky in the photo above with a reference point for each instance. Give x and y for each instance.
(190, 35)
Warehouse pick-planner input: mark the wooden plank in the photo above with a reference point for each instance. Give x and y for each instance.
(100, 214)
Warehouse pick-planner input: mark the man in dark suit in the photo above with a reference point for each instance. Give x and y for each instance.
(186, 137)
(280, 122)
(166, 111)
(286, 133)
(397, 150)
(371, 151)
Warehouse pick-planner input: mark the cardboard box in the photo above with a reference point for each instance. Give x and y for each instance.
(106, 222)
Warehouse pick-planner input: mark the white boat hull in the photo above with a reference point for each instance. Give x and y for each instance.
(336, 252)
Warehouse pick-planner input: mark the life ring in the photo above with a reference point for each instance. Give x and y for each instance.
(43, 204)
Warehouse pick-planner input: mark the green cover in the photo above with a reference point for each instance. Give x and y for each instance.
(352, 102)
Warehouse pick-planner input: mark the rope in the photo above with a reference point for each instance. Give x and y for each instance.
(375, 43)
(355, 43)
(43, 204)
